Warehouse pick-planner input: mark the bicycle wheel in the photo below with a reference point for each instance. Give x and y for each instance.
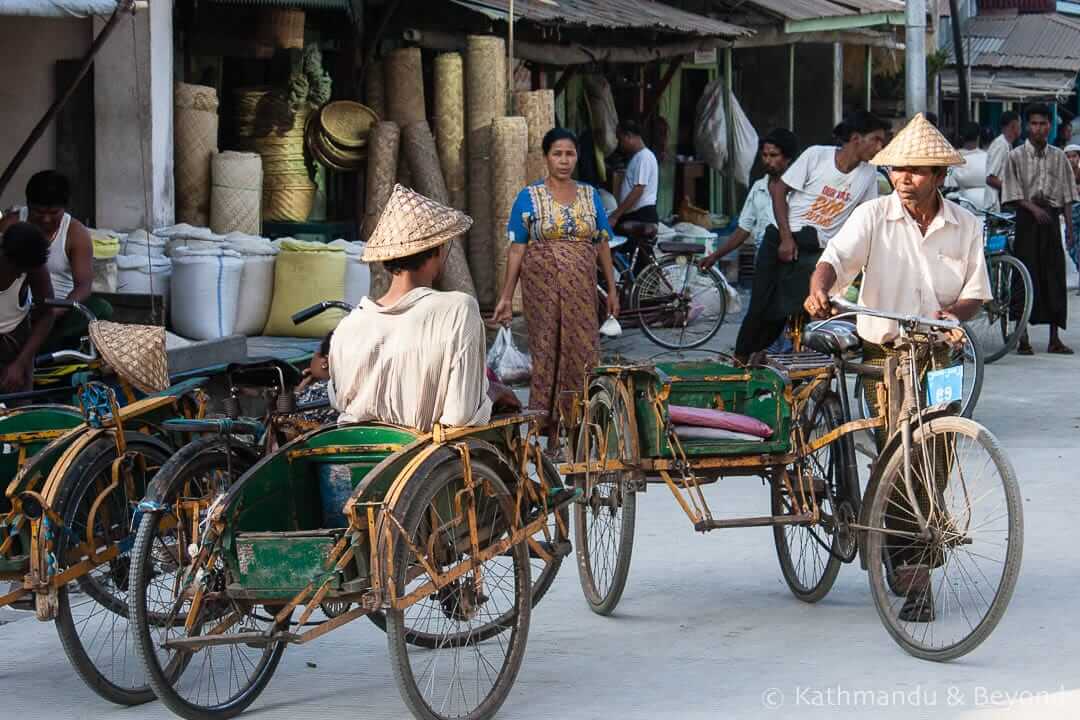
(810, 555)
(92, 611)
(542, 573)
(960, 580)
(216, 681)
(1002, 320)
(604, 516)
(452, 678)
(679, 305)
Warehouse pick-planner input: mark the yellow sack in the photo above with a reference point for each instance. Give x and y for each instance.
(306, 273)
(105, 245)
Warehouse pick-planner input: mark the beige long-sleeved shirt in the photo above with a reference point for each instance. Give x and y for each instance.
(903, 270)
(418, 362)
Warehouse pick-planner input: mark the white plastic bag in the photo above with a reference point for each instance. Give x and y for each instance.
(710, 132)
(506, 361)
(611, 327)
(605, 118)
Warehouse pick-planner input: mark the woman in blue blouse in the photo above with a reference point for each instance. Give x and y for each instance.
(558, 231)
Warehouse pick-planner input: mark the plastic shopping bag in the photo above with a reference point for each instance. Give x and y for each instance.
(507, 361)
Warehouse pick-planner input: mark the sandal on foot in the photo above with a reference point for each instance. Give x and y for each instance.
(1059, 349)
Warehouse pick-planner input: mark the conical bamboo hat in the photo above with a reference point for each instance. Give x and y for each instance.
(919, 144)
(411, 224)
(135, 352)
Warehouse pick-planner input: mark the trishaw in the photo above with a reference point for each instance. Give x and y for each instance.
(431, 535)
(942, 499)
(72, 478)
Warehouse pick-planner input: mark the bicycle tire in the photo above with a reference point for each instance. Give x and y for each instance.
(657, 273)
(997, 333)
(882, 587)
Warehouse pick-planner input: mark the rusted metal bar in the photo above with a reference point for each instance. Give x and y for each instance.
(764, 521)
(123, 7)
(343, 450)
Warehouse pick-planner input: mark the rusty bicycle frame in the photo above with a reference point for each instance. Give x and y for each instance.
(375, 524)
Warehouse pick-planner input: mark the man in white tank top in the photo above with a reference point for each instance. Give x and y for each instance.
(71, 253)
(24, 252)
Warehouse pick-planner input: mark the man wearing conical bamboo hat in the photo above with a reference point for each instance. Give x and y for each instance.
(415, 356)
(919, 254)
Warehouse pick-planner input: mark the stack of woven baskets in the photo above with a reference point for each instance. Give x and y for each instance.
(267, 125)
(337, 135)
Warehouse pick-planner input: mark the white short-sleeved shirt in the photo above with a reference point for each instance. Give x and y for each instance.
(642, 170)
(822, 196)
(418, 362)
(757, 211)
(903, 271)
(996, 155)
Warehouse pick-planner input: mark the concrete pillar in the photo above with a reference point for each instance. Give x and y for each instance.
(791, 88)
(133, 122)
(915, 57)
(838, 83)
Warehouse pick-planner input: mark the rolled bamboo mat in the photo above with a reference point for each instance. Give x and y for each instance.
(538, 109)
(383, 144)
(450, 125)
(509, 146)
(195, 140)
(419, 146)
(485, 100)
(404, 77)
(236, 193)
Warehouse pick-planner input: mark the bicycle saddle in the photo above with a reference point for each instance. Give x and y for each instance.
(833, 337)
(681, 248)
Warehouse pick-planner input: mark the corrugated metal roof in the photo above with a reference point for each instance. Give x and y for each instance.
(813, 9)
(1012, 84)
(639, 14)
(1039, 42)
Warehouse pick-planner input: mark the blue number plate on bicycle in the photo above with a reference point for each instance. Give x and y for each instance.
(945, 386)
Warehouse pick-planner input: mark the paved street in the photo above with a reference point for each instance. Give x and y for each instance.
(707, 627)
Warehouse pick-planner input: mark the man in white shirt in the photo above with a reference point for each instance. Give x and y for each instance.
(919, 254)
(637, 194)
(969, 179)
(810, 203)
(778, 150)
(996, 155)
(415, 356)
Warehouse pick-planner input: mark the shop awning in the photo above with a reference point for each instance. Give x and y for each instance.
(1011, 84)
(57, 8)
(609, 15)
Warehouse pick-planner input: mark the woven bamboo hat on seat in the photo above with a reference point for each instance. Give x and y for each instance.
(410, 224)
(919, 144)
(135, 352)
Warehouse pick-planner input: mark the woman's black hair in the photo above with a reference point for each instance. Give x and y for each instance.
(785, 140)
(410, 263)
(859, 122)
(48, 189)
(25, 246)
(324, 346)
(555, 135)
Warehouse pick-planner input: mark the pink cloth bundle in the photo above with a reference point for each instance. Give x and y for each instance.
(719, 419)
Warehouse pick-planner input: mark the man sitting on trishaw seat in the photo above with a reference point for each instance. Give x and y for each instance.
(919, 254)
(415, 356)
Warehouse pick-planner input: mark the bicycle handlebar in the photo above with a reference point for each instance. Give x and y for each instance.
(71, 355)
(307, 313)
(847, 309)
